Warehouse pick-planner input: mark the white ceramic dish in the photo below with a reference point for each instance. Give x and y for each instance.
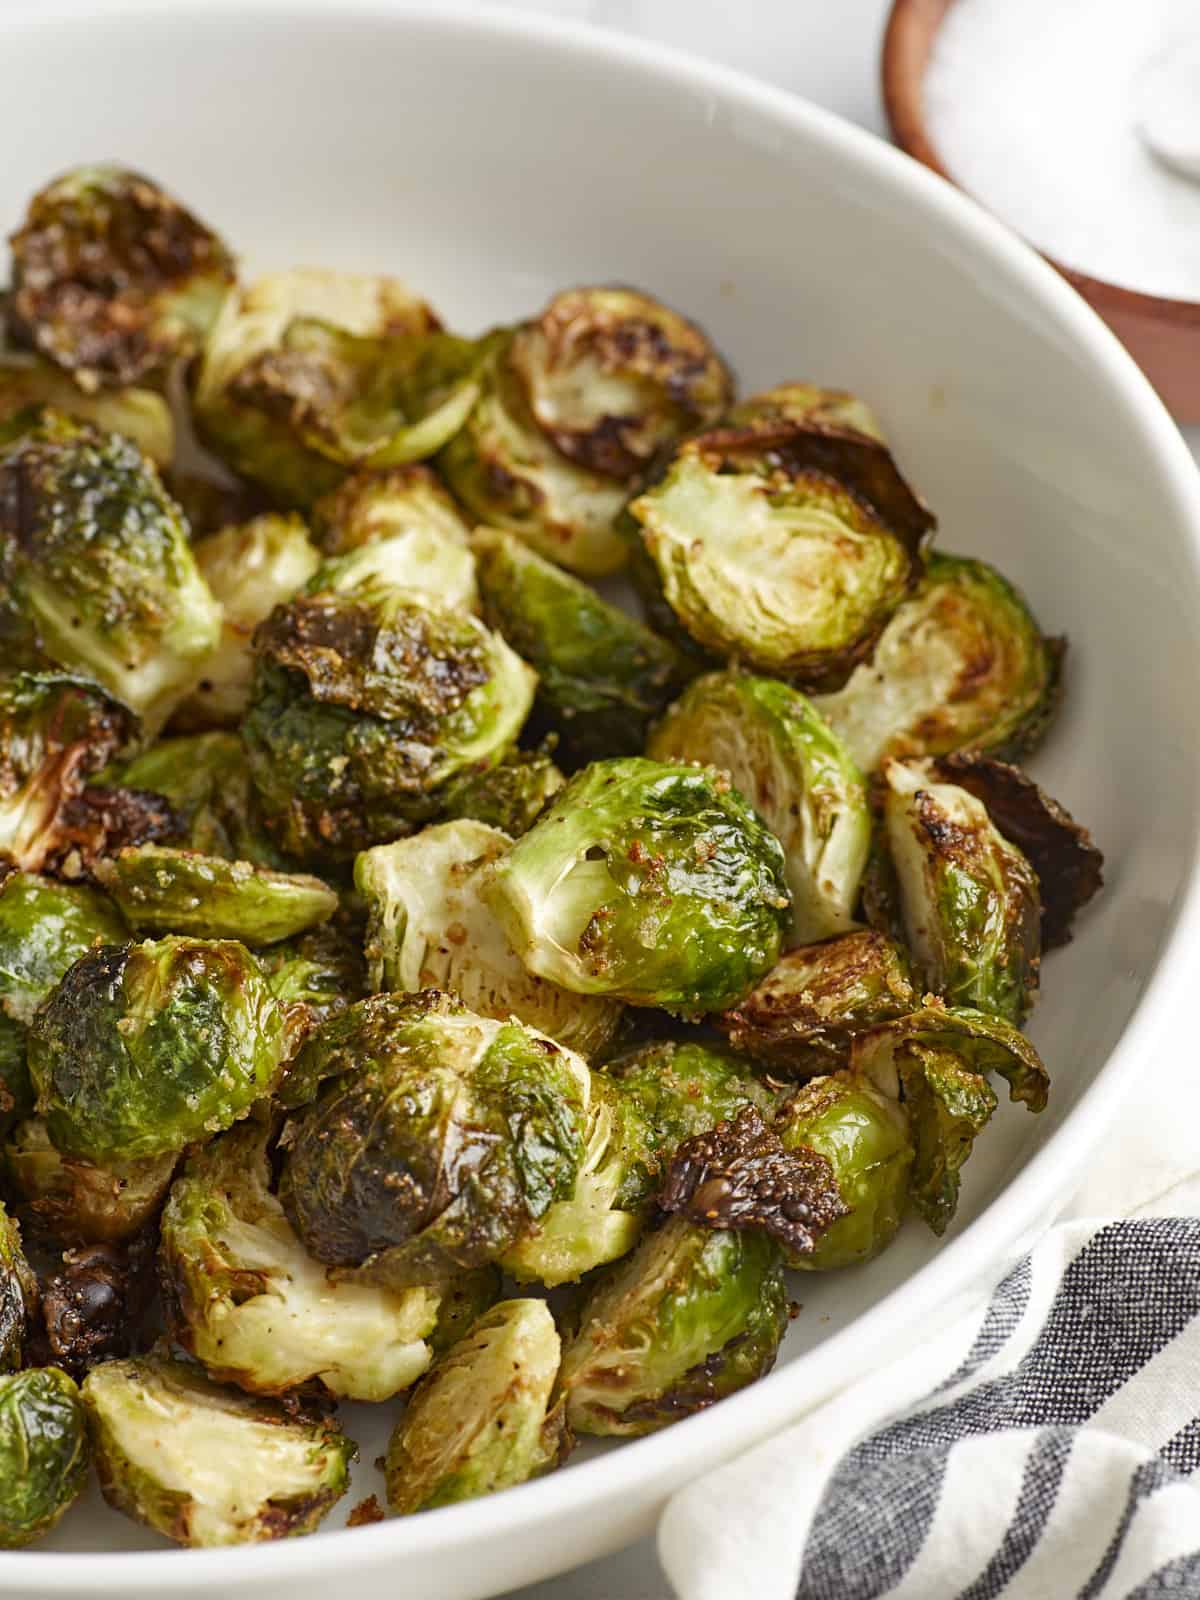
(490, 159)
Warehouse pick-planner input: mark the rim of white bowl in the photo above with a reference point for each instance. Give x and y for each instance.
(1031, 1195)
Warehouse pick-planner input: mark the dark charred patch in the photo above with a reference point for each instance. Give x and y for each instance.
(97, 823)
(94, 1303)
(365, 1512)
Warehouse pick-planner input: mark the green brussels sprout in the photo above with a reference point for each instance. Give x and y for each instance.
(365, 705)
(429, 927)
(441, 1139)
(77, 1201)
(112, 277)
(785, 546)
(290, 416)
(611, 375)
(602, 675)
(18, 1293)
(249, 567)
(651, 883)
(16, 1091)
(369, 507)
(865, 1134)
(482, 1420)
(205, 1465)
(438, 569)
(985, 1042)
(969, 899)
(205, 779)
(461, 1300)
(510, 795)
(313, 977)
(144, 1047)
(244, 1297)
(800, 1019)
(141, 415)
(163, 890)
(808, 404)
(505, 471)
(43, 1452)
(100, 562)
(44, 928)
(797, 775)
(961, 665)
(693, 1315)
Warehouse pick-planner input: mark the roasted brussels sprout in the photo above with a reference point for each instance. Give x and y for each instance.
(691, 1316)
(183, 891)
(142, 415)
(286, 394)
(785, 545)
(969, 899)
(313, 978)
(205, 780)
(505, 471)
(77, 1201)
(249, 568)
(43, 1452)
(865, 1135)
(205, 1465)
(18, 1293)
(429, 927)
(97, 555)
(401, 502)
(961, 665)
(797, 775)
(651, 883)
(212, 501)
(365, 706)
(112, 277)
(144, 1047)
(808, 404)
(511, 794)
(95, 1301)
(442, 1142)
(986, 1043)
(482, 1419)
(245, 1298)
(800, 1019)
(602, 675)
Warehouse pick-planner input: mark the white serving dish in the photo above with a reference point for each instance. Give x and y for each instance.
(489, 159)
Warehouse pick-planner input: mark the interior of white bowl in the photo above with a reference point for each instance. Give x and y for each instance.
(489, 161)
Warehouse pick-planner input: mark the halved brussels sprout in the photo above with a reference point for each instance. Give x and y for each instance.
(784, 545)
(692, 1315)
(442, 1137)
(809, 404)
(969, 899)
(429, 927)
(249, 567)
(243, 407)
(961, 665)
(43, 1452)
(505, 471)
(205, 1465)
(798, 776)
(865, 1135)
(77, 1201)
(18, 1293)
(205, 779)
(44, 928)
(481, 1421)
(365, 706)
(651, 883)
(313, 978)
(510, 795)
(368, 507)
(144, 1047)
(100, 562)
(602, 675)
(182, 891)
(800, 1019)
(986, 1043)
(244, 1297)
(142, 415)
(611, 375)
(112, 277)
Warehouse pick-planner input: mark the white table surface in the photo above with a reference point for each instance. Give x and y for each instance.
(828, 53)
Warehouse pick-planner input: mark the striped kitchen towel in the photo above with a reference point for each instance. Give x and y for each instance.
(1042, 1443)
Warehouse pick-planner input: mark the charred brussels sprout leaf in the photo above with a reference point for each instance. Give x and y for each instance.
(481, 1421)
(365, 706)
(77, 1201)
(313, 978)
(97, 554)
(112, 277)
(510, 795)
(182, 891)
(142, 415)
(961, 665)
(429, 927)
(18, 1293)
(611, 375)
(43, 1452)
(865, 1137)
(602, 675)
(440, 1139)
(245, 1298)
(650, 883)
(143, 1048)
(797, 775)
(801, 1018)
(205, 780)
(205, 1465)
(969, 899)
(691, 1316)
(809, 405)
(986, 1043)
